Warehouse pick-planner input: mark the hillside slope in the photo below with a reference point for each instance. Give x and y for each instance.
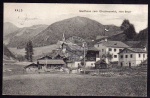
(20, 37)
(76, 26)
(142, 36)
(7, 54)
(9, 28)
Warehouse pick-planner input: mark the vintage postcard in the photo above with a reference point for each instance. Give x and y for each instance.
(75, 49)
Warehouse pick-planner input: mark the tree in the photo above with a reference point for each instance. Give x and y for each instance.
(29, 51)
(128, 29)
(130, 32)
(109, 56)
(125, 24)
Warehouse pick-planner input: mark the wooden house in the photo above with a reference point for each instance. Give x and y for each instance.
(101, 64)
(31, 68)
(49, 62)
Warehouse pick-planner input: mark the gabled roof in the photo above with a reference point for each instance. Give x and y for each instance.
(93, 49)
(131, 43)
(116, 44)
(141, 44)
(45, 57)
(101, 37)
(133, 50)
(33, 64)
(102, 61)
(51, 61)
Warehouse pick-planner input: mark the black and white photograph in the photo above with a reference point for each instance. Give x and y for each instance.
(60, 49)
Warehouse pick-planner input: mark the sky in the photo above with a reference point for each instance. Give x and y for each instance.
(46, 13)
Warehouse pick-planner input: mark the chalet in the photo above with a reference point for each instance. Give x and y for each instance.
(48, 62)
(31, 68)
(111, 47)
(132, 56)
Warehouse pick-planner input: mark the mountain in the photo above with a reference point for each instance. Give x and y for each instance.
(7, 54)
(20, 37)
(9, 28)
(142, 36)
(76, 26)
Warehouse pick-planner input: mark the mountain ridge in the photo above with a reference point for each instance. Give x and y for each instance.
(9, 28)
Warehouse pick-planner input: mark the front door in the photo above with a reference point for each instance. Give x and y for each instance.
(129, 64)
(121, 64)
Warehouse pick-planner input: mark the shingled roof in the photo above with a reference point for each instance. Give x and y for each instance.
(134, 50)
(45, 57)
(93, 49)
(51, 61)
(116, 44)
(137, 50)
(101, 37)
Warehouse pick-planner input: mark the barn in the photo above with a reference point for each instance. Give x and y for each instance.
(51, 63)
(31, 68)
(101, 64)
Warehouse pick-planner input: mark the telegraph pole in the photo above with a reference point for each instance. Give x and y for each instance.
(84, 55)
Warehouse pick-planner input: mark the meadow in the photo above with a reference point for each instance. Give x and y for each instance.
(73, 85)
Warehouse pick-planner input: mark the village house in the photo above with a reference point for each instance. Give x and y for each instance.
(32, 68)
(111, 47)
(92, 56)
(132, 56)
(48, 62)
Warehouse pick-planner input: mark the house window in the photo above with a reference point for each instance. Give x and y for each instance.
(110, 49)
(139, 55)
(121, 56)
(102, 50)
(131, 56)
(126, 56)
(115, 56)
(143, 55)
(120, 50)
(98, 45)
(91, 63)
(114, 50)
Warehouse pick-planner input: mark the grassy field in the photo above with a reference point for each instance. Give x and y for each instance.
(74, 85)
(18, 82)
(37, 50)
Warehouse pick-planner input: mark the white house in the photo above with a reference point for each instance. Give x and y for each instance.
(132, 56)
(112, 47)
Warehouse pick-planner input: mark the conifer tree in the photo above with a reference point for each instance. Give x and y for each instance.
(29, 51)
